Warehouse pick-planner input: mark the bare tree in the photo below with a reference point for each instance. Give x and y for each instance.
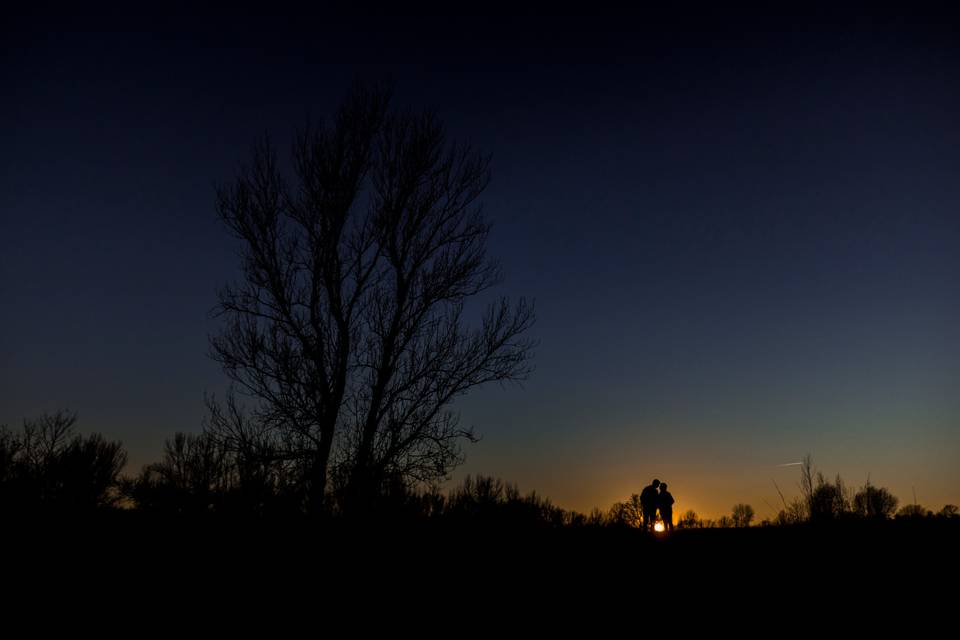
(742, 515)
(912, 511)
(949, 511)
(349, 329)
(874, 502)
(690, 520)
(829, 501)
(49, 465)
(628, 513)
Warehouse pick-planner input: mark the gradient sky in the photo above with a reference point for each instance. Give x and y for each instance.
(741, 232)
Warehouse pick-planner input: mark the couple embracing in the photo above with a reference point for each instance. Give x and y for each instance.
(656, 497)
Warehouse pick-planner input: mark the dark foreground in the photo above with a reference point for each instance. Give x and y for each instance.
(212, 549)
(492, 581)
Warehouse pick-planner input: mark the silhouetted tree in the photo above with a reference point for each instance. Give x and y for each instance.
(742, 515)
(633, 510)
(912, 511)
(199, 474)
(823, 501)
(85, 474)
(874, 502)
(829, 501)
(626, 514)
(49, 466)
(795, 512)
(349, 329)
(491, 501)
(9, 448)
(192, 477)
(266, 475)
(689, 520)
(597, 518)
(949, 511)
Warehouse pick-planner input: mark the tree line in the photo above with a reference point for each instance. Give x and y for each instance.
(48, 466)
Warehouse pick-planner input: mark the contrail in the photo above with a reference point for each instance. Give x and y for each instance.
(790, 464)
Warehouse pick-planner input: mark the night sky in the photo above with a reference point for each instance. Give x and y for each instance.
(741, 231)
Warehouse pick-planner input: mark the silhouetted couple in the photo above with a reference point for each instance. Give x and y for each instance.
(653, 498)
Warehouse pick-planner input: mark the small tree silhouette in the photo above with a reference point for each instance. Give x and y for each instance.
(823, 501)
(742, 515)
(912, 511)
(829, 501)
(626, 514)
(49, 466)
(689, 520)
(193, 477)
(874, 502)
(949, 511)
(489, 501)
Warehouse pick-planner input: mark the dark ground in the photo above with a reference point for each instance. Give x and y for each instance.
(839, 555)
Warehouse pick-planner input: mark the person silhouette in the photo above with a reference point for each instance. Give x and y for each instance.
(649, 501)
(665, 503)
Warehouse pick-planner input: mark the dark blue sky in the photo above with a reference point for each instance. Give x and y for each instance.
(740, 231)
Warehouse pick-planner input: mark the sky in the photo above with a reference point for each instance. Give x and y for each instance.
(740, 231)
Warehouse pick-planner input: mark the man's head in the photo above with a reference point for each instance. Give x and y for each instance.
(655, 483)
